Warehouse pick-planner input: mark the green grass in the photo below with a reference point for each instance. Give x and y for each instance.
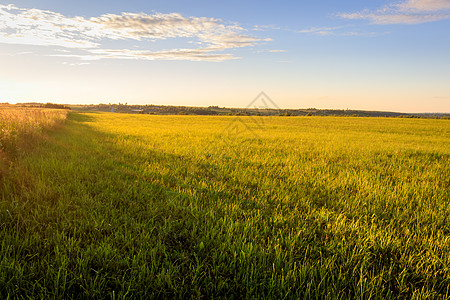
(140, 206)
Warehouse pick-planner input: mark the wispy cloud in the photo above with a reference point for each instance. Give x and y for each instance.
(268, 27)
(265, 51)
(47, 28)
(405, 12)
(343, 30)
(364, 33)
(320, 30)
(202, 54)
(339, 31)
(75, 64)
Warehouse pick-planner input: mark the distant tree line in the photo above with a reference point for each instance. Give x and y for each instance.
(224, 111)
(54, 105)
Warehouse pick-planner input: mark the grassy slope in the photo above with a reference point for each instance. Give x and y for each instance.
(181, 206)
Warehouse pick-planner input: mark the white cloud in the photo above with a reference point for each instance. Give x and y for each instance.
(38, 27)
(424, 5)
(405, 12)
(320, 30)
(270, 51)
(267, 27)
(74, 64)
(277, 51)
(202, 54)
(47, 28)
(338, 31)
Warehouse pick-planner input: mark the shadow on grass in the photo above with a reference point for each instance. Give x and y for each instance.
(80, 117)
(78, 211)
(96, 221)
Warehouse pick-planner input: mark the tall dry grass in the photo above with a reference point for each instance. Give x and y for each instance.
(20, 125)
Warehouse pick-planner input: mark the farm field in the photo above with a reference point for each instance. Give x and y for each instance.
(21, 126)
(141, 206)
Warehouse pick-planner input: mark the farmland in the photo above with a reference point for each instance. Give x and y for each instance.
(119, 205)
(20, 126)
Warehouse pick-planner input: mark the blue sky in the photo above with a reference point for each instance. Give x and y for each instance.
(372, 55)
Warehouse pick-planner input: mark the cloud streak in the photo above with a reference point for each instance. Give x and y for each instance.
(47, 28)
(405, 12)
(338, 31)
(320, 30)
(202, 54)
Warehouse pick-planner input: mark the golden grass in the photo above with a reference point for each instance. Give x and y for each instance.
(19, 124)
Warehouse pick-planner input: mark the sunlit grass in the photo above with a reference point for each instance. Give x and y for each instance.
(20, 123)
(120, 205)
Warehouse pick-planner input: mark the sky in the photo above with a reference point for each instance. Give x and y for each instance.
(326, 54)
